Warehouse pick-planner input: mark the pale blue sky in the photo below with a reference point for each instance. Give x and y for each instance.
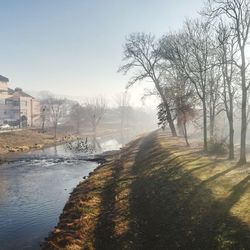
(74, 47)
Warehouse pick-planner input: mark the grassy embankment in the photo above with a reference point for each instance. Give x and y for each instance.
(25, 140)
(158, 194)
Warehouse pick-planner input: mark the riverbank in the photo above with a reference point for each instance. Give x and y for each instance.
(14, 142)
(158, 194)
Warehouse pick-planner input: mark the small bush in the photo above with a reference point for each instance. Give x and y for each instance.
(218, 147)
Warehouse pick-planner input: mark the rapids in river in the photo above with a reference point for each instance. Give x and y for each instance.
(34, 188)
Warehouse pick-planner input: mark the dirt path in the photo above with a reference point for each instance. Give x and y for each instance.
(157, 194)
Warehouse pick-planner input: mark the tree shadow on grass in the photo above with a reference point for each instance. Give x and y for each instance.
(161, 217)
(104, 234)
(104, 231)
(165, 213)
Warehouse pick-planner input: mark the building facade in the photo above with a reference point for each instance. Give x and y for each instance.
(17, 108)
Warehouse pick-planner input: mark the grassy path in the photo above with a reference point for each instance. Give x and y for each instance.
(158, 194)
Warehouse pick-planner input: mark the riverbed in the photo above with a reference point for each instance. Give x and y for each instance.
(34, 188)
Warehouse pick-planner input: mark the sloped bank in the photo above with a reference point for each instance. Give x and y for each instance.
(13, 143)
(90, 202)
(157, 194)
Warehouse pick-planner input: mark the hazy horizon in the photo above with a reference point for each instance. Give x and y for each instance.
(74, 48)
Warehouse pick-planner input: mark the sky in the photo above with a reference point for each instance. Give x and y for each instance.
(74, 47)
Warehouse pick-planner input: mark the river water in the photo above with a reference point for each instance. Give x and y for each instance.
(33, 191)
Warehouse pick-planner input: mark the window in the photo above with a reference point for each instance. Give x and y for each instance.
(24, 103)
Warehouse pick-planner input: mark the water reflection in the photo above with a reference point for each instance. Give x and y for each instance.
(33, 190)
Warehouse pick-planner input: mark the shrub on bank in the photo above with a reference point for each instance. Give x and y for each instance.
(217, 146)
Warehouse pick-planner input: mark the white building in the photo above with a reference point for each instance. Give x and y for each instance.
(17, 107)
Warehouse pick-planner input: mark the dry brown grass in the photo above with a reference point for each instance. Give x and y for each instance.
(158, 194)
(25, 140)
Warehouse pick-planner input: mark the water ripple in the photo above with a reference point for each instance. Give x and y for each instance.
(33, 191)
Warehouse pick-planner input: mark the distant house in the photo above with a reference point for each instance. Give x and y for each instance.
(17, 107)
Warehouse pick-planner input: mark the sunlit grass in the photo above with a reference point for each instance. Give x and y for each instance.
(157, 192)
(219, 176)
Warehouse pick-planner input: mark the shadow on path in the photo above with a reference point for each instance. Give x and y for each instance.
(163, 219)
(165, 213)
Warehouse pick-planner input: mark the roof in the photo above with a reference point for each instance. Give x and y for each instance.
(18, 93)
(3, 79)
(21, 93)
(25, 94)
(10, 91)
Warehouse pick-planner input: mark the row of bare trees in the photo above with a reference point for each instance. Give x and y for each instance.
(202, 66)
(85, 115)
(57, 110)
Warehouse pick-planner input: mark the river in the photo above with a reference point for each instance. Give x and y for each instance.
(34, 188)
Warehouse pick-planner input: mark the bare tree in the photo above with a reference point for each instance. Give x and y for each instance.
(142, 55)
(183, 101)
(226, 51)
(44, 116)
(122, 101)
(55, 106)
(95, 110)
(190, 52)
(44, 96)
(214, 77)
(186, 112)
(77, 115)
(237, 13)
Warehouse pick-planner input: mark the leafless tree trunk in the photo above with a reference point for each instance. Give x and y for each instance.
(226, 53)
(43, 124)
(185, 130)
(237, 13)
(77, 115)
(213, 96)
(95, 110)
(44, 117)
(122, 101)
(169, 115)
(183, 101)
(190, 51)
(204, 108)
(55, 106)
(142, 54)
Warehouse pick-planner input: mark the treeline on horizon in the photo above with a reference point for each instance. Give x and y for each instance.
(200, 70)
(94, 116)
